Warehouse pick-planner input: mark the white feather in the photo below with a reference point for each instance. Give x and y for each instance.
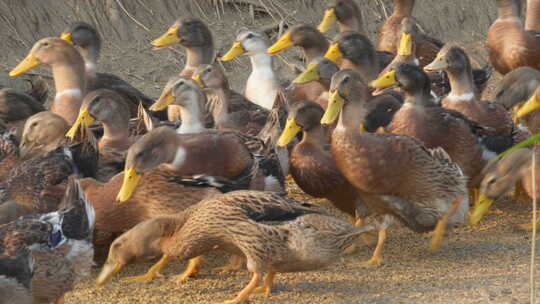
(70, 92)
(463, 97)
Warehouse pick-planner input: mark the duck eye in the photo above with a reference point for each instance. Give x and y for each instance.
(249, 36)
(492, 181)
(46, 44)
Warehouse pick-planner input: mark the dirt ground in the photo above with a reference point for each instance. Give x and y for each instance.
(487, 264)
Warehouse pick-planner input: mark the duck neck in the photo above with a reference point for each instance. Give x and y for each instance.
(461, 84)
(508, 9)
(70, 84)
(532, 19)
(116, 129)
(352, 113)
(173, 151)
(315, 136)
(261, 65)
(197, 56)
(69, 77)
(403, 8)
(419, 97)
(192, 116)
(90, 56)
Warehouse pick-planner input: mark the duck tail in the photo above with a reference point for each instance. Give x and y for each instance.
(78, 213)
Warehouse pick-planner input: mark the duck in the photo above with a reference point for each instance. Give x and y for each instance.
(193, 35)
(262, 86)
(462, 98)
(294, 237)
(37, 182)
(183, 92)
(187, 94)
(431, 195)
(528, 112)
(435, 126)
(16, 106)
(352, 50)
(517, 88)
(68, 72)
(406, 51)
(229, 109)
(509, 44)
(311, 164)
(87, 41)
(143, 204)
(110, 109)
(194, 153)
(16, 271)
(346, 14)
(196, 38)
(390, 34)
(44, 133)
(502, 175)
(59, 242)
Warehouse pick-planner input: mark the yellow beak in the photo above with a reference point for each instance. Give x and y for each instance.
(384, 81)
(333, 53)
(198, 80)
(328, 19)
(310, 74)
(131, 179)
(235, 51)
(405, 45)
(335, 104)
(531, 105)
(28, 63)
(284, 42)
(67, 37)
(438, 64)
(480, 209)
(291, 129)
(163, 102)
(168, 38)
(83, 119)
(108, 271)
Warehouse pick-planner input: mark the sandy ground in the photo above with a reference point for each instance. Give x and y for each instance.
(487, 264)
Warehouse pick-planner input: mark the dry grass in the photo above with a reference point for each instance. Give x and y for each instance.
(487, 264)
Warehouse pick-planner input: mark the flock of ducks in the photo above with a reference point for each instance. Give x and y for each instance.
(393, 132)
